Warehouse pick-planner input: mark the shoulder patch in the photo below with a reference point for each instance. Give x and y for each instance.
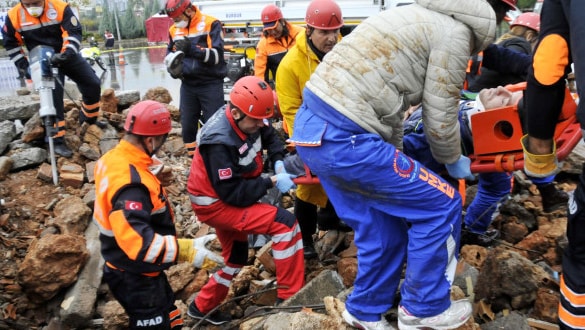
(74, 21)
(52, 13)
(224, 173)
(133, 206)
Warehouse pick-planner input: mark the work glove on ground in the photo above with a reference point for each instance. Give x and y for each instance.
(195, 252)
(23, 68)
(61, 59)
(461, 169)
(539, 166)
(284, 182)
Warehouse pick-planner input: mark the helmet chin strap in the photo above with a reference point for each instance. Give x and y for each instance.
(154, 149)
(143, 144)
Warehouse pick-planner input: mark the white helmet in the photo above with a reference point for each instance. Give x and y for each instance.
(174, 64)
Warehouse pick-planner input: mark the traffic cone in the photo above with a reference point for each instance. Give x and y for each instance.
(121, 60)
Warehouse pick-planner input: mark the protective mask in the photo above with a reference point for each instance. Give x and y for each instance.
(181, 24)
(35, 11)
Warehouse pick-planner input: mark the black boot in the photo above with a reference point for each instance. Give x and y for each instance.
(552, 198)
(486, 239)
(61, 148)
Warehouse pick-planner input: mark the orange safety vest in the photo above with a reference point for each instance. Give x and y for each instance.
(56, 27)
(130, 238)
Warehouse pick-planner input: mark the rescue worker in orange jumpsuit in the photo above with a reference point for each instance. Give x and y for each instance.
(136, 222)
(278, 37)
(199, 36)
(52, 23)
(225, 185)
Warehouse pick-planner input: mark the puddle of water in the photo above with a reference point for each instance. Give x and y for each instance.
(137, 69)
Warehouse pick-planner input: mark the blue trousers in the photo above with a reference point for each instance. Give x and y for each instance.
(491, 190)
(399, 210)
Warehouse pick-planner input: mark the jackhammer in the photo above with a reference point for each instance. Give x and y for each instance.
(43, 77)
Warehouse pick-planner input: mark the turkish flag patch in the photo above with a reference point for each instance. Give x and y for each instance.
(224, 173)
(133, 206)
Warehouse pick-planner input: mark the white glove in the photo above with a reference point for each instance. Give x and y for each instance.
(195, 251)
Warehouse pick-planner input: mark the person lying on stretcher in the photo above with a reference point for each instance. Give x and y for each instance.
(492, 187)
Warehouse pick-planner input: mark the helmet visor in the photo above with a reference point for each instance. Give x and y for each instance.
(270, 25)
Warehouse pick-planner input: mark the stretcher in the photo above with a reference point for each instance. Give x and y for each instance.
(497, 134)
(496, 138)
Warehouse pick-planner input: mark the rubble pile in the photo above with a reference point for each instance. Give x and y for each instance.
(51, 264)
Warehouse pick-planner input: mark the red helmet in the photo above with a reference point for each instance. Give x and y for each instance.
(271, 13)
(175, 8)
(253, 96)
(324, 15)
(511, 3)
(529, 20)
(148, 118)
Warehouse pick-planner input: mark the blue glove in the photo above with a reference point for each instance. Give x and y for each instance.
(461, 169)
(284, 182)
(279, 167)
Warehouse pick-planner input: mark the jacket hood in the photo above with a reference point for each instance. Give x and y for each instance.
(478, 15)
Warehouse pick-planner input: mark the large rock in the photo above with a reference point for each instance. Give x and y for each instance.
(5, 166)
(109, 101)
(509, 281)
(159, 94)
(127, 98)
(77, 308)
(27, 158)
(72, 215)
(33, 129)
(7, 133)
(327, 283)
(22, 107)
(52, 263)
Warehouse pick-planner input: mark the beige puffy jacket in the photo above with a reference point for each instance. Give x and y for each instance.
(405, 56)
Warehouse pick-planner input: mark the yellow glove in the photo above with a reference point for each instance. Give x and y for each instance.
(540, 166)
(195, 252)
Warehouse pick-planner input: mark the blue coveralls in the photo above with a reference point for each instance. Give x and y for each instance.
(400, 211)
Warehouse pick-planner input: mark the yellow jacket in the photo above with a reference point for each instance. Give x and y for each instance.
(270, 51)
(293, 72)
